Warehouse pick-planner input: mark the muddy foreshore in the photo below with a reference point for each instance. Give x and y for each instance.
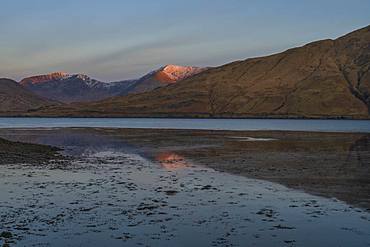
(326, 164)
(27, 153)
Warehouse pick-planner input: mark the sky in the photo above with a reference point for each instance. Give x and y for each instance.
(113, 40)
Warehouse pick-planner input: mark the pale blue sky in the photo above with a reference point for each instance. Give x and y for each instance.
(121, 39)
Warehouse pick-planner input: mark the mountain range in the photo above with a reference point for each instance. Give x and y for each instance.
(66, 88)
(14, 99)
(323, 79)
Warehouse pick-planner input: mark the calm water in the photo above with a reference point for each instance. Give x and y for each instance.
(210, 124)
(121, 194)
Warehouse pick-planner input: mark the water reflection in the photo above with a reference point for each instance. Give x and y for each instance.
(359, 151)
(128, 201)
(172, 161)
(75, 142)
(331, 165)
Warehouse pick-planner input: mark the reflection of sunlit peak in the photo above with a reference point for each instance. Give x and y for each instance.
(171, 161)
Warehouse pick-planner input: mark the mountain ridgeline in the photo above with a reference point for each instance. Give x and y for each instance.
(67, 88)
(323, 79)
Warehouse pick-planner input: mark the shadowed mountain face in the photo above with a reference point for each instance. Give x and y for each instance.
(81, 88)
(73, 88)
(328, 78)
(14, 98)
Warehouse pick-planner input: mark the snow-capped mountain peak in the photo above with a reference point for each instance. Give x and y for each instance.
(43, 78)
(172, 73)
(68, 88)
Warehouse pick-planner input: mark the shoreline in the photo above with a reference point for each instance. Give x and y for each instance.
(325, 164)
(287, 125)
(94, 128)
(191, 116)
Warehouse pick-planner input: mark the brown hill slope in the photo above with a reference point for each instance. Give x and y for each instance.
(15, 99)
(328, 78)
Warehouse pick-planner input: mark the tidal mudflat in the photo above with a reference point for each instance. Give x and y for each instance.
(126, 187)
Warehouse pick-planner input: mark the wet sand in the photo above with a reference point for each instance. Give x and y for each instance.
(137, 187)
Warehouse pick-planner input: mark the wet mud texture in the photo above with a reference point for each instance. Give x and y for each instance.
(326, 164)
(125, 187)
(17, 152)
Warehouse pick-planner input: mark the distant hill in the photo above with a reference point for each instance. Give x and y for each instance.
(14, 99)
(81, 88)
(323, 79)
(73, 88)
